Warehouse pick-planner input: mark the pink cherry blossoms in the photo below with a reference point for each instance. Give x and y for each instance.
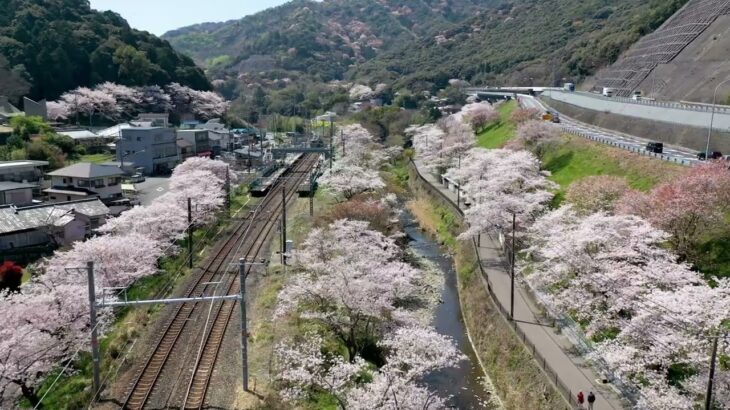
(48, 319)
(501, 183)
(353, 283)
(116, 102)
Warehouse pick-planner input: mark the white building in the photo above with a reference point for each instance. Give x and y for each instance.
(85, 180)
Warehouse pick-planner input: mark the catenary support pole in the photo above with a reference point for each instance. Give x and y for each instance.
(244, 330)
(283, 226)
(228, 188)
(311, 194)
(512, 270)
(332, 137)
(95, 357)
(342, 138)
(190, 233)
(711, 379)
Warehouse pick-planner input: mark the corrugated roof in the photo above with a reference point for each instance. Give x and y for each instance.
(4, 165)
(15, 219)
(87, 170)
(79, 134)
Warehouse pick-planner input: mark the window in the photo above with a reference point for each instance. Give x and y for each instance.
(83, 183)
(99, 183)
(139, 139)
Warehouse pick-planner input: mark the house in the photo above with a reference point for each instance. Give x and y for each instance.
(152, 149)
(91, 141)
(24, 171)
(221, 138)
(199, 139)
(85, 180)
(250, 156)
(49, 224)
(155, 120)
(16, 193)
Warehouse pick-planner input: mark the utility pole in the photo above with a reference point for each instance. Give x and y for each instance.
(311, 194)
(512, 270)
(458, 189)
(342, 138)
(95, 357)
(711, 379)
(244, 331)
(332, 137)
(283, 226)
(228, 188)
(190, 233)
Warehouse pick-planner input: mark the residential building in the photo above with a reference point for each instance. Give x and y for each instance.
(200, 140)
(16, 193)
(156, 120)
(24, 171)
(184, 149)
(85, 180)
(151, 149)
(49, 224)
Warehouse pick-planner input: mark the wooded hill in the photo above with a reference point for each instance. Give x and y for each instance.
(51, 46)
(420, 44)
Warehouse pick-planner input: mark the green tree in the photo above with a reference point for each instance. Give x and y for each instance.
(25, 126)
(42, 151)
(134, 66)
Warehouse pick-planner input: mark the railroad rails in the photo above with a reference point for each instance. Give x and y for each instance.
(247, 240)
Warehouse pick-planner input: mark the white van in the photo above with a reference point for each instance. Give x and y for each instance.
(608, 92)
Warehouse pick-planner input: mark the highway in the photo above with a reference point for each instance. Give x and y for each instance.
(675, 154)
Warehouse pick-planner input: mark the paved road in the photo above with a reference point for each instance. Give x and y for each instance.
(573, 371)
(629, 142)
(152, 188)
(669, 112)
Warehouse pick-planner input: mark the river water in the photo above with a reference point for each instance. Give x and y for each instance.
(465, 384)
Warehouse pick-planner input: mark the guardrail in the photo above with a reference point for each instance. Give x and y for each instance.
(699, 107)
(631, 148)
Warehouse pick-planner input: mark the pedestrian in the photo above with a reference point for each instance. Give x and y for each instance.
(591, 400)
(581, 399)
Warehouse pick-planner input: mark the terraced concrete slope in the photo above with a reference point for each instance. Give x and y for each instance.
(684, 59)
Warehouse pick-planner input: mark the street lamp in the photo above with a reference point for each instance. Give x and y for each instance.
(712, 118)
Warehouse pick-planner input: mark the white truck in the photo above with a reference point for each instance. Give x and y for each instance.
(607, 92)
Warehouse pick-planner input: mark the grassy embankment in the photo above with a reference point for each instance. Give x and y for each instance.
(497, 134)
(73, 389)
(575, 158)
(97, 158)
(516, 377)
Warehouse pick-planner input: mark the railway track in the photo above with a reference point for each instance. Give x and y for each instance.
(258, 225)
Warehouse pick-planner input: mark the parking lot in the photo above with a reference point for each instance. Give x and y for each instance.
(151, 189)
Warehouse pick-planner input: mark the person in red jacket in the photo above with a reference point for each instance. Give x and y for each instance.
(581, 399)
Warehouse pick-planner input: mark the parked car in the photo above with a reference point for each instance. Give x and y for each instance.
(657, 147)
(136, 178)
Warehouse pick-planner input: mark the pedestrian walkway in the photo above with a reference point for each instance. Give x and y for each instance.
(550, 349)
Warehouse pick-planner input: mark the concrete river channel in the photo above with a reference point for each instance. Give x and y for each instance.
(465, 384)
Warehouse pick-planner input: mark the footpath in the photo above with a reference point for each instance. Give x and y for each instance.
(568, 371)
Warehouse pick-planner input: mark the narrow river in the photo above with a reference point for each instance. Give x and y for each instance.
(465, 383)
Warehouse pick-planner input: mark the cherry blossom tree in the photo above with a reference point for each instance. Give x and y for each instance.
(58, 110)
(413, 352)
(458, 138)
(85, 101)
(349, 180)
(164, 220)
(203, 181)
(427, 141)
(535, 136)
(202, 104)
(118, 260)
(127, 99)
(479, 115)
(218, 168)
(521, 115)
(687, 207)
(501, 183)
(40, 327)
(154, 99)
(596, 193)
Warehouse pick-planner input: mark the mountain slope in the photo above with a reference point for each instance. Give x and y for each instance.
(321, 39)
(524, 43)
(57, 45)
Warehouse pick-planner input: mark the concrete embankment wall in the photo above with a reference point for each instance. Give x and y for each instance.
(676, 134)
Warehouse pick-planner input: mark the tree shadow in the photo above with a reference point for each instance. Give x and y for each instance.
(559, 162)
